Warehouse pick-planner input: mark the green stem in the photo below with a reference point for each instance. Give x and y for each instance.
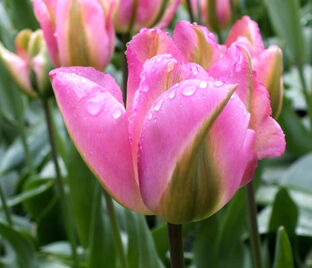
(190, 10)
(115, 230)
(6, 208)
(254, 234)
(308, 98)
(176, 245)
(124, 39)
(60, 184)
(21, 130)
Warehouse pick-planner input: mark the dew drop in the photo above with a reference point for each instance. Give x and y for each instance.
(194, 70)
(189, 91)
(150, 116)
(203, 84)
(116, 114)
(94, 108)
(83, 80)
(172, 94)
(159, 59)
(170, 66)
(158, 105)
(218, 83)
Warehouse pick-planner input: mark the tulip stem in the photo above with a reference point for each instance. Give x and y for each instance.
(115, 230)
(176, 245)
(308, 98)
(21, 130)
(254, 234)
(190, 10)
(125, 39)
(6, 208)
(60, 184)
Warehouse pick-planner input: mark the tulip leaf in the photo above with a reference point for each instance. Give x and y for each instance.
(285, 17)
(141, 248)
(23, 248)
(283, 253)
(281, 216)
(298, 138)
(85, 193)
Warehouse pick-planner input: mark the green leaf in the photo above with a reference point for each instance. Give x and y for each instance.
(283, 254)
(298, 138)
(285, 17)
(284, 212)
(85, 194)
(23, 248)
(141, 248)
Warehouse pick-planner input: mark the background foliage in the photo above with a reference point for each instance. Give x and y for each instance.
(37, 238)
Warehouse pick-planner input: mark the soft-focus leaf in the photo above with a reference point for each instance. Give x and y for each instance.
(283, 254)
(284, 212)
(23, 248)
(285, 17)
(141, 250)
(85, 193)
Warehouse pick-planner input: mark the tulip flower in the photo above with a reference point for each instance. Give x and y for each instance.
(30, 66)
(77, 32)
(216, 14)
(132, 15)
(268, 63)
(192, 130)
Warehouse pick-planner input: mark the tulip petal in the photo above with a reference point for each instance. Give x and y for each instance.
(270, 139)
(98, 125)
(245, 27)
(199, 155)
(159, 74)
(269, 68)
(18, 69)
(143, 46)
(196, 43)
(168, 14)
(45, 16)
(235, 68)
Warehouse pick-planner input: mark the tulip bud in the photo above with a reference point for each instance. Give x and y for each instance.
(29, 68)
(132, 15)
(216, 14)
(77, 32)
(269, 69)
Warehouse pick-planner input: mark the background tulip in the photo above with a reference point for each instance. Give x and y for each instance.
(77, 32)
(188, 138)
(216, 14)
(132, 15)
(268, 63)
(30, 66)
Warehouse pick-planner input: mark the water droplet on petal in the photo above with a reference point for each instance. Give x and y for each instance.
(189, 91)
(159, 59)
(203, 84)
(158, 105)
(150, 116)
(94, 108)
(83, 80)
(172, 94)
(117, 113)
(218, 83)
(194, 70)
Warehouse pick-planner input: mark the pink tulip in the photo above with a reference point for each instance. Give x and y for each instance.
(189, 136)
(77, 32)
(216, 14)
(31, 57)
(132, 15)
(268, 63)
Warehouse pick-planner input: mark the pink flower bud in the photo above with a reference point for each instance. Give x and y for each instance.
(132, 15)
(77, 32)
(29, 68)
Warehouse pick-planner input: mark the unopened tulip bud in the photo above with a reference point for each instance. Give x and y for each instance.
(132, 15)
(77, 32)
(269, 69)
(30, 66)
